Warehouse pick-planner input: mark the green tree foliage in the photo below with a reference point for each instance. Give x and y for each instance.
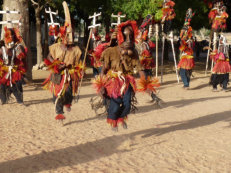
(134, 10)
(200, 18)
(138, 9)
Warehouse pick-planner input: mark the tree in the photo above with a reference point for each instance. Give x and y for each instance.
(85, 8)
(38, 6)
(200, 18)
(137, 9)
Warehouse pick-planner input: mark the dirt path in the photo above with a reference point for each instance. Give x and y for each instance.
(190, 133)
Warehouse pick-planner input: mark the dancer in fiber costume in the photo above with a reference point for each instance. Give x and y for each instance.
(222, 68)
(186, 63)
(67, 69)
(116, 80)
(13, 54)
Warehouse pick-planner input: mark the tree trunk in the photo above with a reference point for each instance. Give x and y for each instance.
(86, 30)
(80, 31)
(5, 4)
(46, 37)
(22, 7)
(24, 10)
(107, 24)
(38, 36)
(166, 50)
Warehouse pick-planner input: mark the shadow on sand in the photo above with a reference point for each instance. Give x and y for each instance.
(91, 151)
(34, 102)
(177, 103)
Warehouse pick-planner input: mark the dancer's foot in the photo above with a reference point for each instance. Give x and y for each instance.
(155, 99)
(20, 102)
(60, 117)
(214, 90)
(225, 89)
(68, 108)
(125, 126)
(2, 103)
(115, 129)
(186, 87)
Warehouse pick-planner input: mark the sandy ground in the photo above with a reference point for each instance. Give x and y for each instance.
(190, 133)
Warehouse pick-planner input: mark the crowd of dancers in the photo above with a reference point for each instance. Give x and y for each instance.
(115, 62)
